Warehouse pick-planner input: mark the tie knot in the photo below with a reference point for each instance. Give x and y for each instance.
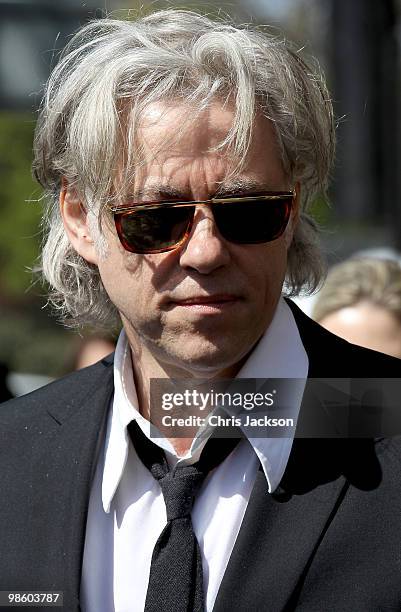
(180, 485)
(179, 488)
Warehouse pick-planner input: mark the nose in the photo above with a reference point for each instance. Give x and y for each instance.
(205, 250)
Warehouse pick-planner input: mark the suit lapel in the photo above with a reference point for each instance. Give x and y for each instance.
(281, 533)
(277, 541)
(64, 464)
(322, 347)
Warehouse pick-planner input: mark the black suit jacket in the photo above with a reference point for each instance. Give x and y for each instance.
(327, 540)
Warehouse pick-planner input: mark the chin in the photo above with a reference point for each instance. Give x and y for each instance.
(206, 361)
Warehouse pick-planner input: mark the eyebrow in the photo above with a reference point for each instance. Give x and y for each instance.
(243, 186)
(155, 191)
(164, 191)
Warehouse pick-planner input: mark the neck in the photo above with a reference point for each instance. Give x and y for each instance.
(145, 367)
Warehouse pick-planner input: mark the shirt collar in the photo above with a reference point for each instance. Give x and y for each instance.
(279, 354)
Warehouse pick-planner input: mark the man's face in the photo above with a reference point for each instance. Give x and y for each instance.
(199, 309)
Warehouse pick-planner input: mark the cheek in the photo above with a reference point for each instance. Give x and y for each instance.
(273, 260)
(130, 282)
(271, 269)
(122, 275)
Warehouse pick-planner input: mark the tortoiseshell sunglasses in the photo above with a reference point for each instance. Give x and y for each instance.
(156, 227)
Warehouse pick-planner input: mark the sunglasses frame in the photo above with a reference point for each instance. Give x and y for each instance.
(120, 211)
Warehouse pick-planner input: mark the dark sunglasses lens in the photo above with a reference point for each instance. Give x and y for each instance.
(252, 222)
(158, 229)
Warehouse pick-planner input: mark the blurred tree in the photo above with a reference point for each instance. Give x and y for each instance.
(31, 33)
(19, 240)
(30, 341)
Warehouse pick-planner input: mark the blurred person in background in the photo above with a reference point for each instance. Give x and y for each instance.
(92, 349)
(361, 302)
(180, 157)
(5, 393)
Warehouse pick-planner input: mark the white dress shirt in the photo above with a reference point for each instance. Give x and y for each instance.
(127, 512)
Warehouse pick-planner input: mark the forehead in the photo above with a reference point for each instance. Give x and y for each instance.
(182, 147)
(164, 125)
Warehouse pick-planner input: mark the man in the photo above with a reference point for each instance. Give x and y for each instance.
(180, 156)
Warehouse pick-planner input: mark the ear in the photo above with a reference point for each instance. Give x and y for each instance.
(75, 219)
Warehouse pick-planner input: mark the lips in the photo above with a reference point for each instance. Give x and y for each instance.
(205, 305)
(205, 300)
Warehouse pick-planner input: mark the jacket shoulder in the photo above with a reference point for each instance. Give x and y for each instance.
(60, 395)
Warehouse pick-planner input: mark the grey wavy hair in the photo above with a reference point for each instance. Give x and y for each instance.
(111, 70)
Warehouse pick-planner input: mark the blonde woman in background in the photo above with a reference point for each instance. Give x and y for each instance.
(361, 302)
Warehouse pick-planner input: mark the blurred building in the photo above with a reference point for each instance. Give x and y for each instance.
(31, 34)
(365, 65)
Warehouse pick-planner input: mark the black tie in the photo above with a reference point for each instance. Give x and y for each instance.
(176, 577)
